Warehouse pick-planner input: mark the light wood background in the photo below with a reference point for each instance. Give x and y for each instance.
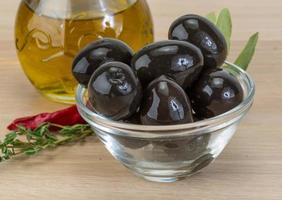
(249, 168)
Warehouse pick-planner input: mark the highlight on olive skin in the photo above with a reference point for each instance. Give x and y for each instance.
(115, 91)
(165, 103)
(204, 34)
(215, 93)
(179, 60)
(97, 53)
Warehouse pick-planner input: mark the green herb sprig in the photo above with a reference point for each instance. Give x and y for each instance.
(24, 141)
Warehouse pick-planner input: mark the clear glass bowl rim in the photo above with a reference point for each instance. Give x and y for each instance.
(151, 131)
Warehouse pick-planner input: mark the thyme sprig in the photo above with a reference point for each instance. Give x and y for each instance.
(25, 141)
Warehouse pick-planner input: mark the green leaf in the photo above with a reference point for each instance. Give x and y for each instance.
(224, 23)
(30, 151)
(10, 137)
(4, 150)
(247, 54)
(212, 17)
(51, 137)
(29, 137)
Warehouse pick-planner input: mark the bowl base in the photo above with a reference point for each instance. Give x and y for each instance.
(167, 172)
(165, 179)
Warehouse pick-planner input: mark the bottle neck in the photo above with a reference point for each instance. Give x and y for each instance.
(69, 9)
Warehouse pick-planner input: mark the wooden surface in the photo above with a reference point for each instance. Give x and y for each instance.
(249, 168)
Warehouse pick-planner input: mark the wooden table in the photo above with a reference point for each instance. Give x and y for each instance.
(249, 168)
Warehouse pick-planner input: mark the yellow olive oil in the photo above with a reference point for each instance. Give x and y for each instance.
(46, 44)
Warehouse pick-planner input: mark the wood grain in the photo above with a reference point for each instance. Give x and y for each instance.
(249, 168)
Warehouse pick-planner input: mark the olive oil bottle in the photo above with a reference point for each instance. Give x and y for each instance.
(49, 34)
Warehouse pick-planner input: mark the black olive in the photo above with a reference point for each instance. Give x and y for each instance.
(202, 33)
(115, 91)
(180, 60)
(216, 92)
(165, 103)
(98, 53)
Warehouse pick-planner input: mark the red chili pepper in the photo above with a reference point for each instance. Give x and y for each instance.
(65, 117)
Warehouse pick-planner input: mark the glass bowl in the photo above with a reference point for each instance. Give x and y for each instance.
(169, 153)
